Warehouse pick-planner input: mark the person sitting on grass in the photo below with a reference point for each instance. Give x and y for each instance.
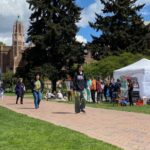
(60, 95)
(49, 95)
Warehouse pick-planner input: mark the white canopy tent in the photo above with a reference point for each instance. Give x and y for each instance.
(139, 70)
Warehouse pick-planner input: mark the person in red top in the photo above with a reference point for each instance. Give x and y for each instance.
(93, 89)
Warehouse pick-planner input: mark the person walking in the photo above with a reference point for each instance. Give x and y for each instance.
(20, 90)
(37, 89)
(130, 91)
(79, 82)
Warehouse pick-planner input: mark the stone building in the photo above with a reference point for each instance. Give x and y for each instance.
(11, 56)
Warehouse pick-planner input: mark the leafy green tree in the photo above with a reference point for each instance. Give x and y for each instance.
(106, 66)
(52, 31)
(9, 80)
(2, 44)
(122, 28)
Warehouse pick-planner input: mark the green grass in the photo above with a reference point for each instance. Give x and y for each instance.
(139, 109)
(19, 132)
(10, 94)
(27, 95)
(106, 105)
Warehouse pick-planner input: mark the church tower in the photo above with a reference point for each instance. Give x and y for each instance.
(17, 44)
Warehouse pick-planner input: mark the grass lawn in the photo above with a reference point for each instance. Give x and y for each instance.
(27, 95)
(139, 109)
(106, 105)
(19, 132)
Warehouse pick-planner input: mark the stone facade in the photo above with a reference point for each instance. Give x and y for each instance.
(11, 56)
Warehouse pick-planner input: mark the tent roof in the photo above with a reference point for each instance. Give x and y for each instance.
(141, 65)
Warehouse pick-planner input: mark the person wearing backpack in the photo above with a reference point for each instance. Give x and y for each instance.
(93, 89)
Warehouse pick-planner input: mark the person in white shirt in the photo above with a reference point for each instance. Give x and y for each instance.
(49, 95)
(60, 95)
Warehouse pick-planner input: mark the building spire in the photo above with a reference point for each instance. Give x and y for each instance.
(18, 18)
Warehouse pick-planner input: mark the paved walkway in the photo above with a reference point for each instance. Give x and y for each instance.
(130, 131)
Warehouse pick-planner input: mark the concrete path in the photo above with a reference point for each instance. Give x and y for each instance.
(130, 131)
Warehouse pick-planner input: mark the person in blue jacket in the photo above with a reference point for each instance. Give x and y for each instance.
(20, 90)
(37, 89)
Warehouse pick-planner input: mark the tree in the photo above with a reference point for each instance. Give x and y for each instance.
(9, 80)
(122, 28)
(2, 44)
(106, 66)
(52, 31)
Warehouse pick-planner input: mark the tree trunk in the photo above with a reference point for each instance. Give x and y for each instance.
(54, 85)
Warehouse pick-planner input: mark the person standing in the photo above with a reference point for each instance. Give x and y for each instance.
(37, 89)
(69, 85)
(20, 90)
(79, 82)
(107, 90)
(112, 91)
(118, 87)
(130, 91)
(88, 89)
(93, 89)
(99, 90)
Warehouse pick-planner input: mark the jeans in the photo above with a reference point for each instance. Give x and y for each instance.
(37, 98)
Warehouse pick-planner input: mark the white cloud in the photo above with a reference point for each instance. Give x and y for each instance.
(9, 11)
(147, 2)
(13, 7)
(88, 14)
(147, 22)
(6, 40)
(81, 39)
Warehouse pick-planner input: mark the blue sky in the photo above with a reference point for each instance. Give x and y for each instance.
(93, 6)
(84, 3)
(10, 9)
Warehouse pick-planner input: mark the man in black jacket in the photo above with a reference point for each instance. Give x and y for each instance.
(79, 86)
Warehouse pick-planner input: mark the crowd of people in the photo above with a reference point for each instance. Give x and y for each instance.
(79, 87)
